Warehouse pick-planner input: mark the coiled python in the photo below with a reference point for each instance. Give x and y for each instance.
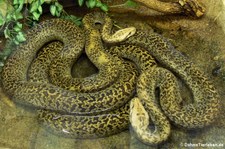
(89, 126)
(60, 70)
(206, 99)
(85, 126)
(49, 96)
(205, 106)
(189, 116)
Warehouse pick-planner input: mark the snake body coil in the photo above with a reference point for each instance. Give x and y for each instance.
(89, 110)
(206, 99)
(78, 126)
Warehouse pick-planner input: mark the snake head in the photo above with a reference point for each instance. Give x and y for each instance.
(123, 34)
(139, 117)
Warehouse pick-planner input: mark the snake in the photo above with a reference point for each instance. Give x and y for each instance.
(60, 70)
(206, 104)
(140, 117)
(110, 123)
(52, 98)
(49, 96)
(198, 114)
(70, 125)
(76, 126)
(86, 126)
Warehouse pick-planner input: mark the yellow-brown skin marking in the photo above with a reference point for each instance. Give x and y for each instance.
(60, 67)
(17, 86)
(139, 119)
(205, 108)
(111, 123)
(86, 126)
(76, 126)
(200, 113)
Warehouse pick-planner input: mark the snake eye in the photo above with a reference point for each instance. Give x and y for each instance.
(98, 23)
(130, 34)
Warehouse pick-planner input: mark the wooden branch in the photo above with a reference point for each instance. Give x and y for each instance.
(190, 7)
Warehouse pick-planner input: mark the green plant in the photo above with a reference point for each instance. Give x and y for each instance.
(130, 3)
(13, 12)
(9, 21)
(93, 3)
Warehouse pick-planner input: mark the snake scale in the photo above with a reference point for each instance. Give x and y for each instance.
(60, 70)
(104, 111)
(21, 90)
(205, 106)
